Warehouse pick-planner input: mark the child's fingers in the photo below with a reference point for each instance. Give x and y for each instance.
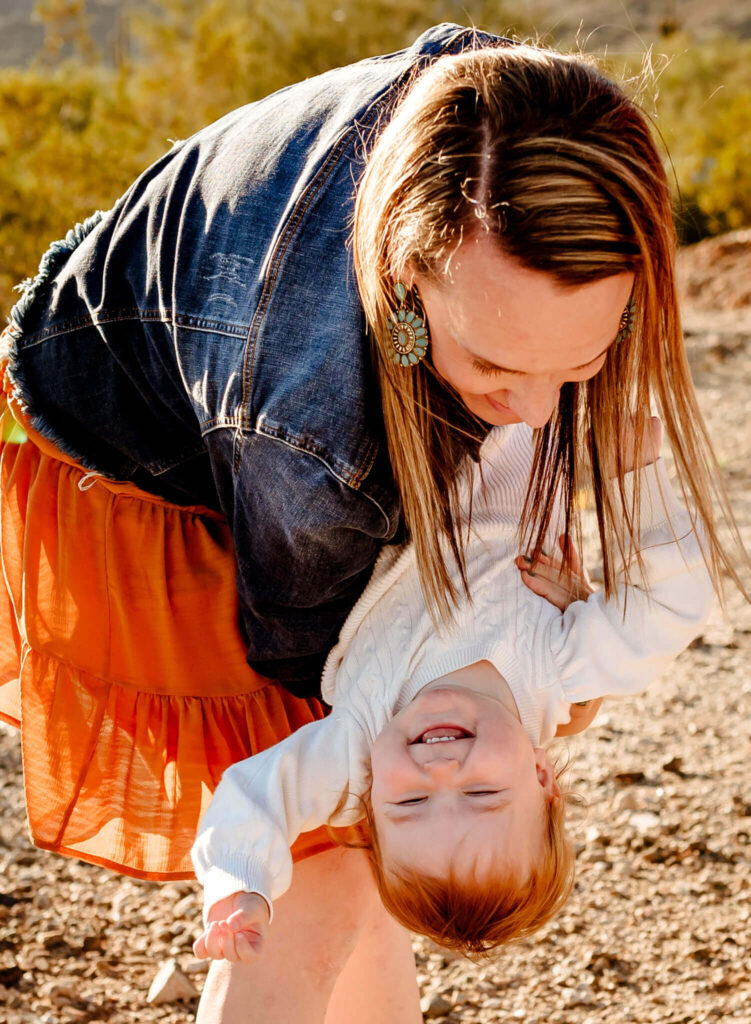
(248, 946)
(548, 589)
(216, 943)
(208, 945)
(246, 918)
(567, 546)
(227, 939)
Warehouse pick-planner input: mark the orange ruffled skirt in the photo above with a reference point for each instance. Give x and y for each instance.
(123, 664)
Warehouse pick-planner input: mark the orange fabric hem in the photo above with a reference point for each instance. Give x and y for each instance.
(306, 848)
(120, 644)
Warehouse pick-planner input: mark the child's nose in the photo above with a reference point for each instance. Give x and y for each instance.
(442, 767)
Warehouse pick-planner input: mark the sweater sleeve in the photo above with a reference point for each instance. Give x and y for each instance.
(604, 647)
(263, 803)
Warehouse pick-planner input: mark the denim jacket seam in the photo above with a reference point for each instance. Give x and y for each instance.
(351, 481)
(352, 477)
(142, 315)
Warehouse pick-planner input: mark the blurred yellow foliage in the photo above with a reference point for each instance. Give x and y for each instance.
(75, 130)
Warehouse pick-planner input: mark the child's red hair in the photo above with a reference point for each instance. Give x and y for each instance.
(475, 915)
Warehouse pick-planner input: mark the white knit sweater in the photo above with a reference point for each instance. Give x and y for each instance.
(389, 650)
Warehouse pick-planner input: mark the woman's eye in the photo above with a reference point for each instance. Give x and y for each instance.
(484, 368)
(412, 800)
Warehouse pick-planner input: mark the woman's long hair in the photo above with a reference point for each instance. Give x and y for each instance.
(558, 165)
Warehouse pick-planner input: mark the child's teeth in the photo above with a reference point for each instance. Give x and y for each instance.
(440, 739)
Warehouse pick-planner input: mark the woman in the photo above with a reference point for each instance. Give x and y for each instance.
(195, 371)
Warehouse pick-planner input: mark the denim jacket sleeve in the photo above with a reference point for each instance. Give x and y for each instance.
(305, 544)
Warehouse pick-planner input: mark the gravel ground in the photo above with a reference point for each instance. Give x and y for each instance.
(658, 928)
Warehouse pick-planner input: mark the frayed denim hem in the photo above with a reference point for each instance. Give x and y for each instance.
(35, 291)
(33, 288)
(18, 392)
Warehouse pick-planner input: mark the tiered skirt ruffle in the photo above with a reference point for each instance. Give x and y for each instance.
(123, 663)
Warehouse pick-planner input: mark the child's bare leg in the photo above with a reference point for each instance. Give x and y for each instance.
(378, 984)
(317, 925)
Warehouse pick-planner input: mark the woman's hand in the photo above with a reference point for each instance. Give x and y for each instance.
(236, 930)
(547, 578)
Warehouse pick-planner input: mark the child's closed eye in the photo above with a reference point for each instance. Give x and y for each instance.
(467, 792)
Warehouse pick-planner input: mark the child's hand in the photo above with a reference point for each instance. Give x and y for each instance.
(581, 717)
(546, 578)
(236, 930)
(651, 443)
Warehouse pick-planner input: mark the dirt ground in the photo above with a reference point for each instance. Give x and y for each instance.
(658, 928)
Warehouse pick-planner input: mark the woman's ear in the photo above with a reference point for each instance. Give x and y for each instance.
(546, 775)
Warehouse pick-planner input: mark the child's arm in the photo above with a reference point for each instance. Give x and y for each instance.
(242, 852)
(561, 588)
(596, 647)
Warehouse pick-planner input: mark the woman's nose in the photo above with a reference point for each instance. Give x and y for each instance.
(534, 401)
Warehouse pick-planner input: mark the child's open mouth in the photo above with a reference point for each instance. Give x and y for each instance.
(442, 734)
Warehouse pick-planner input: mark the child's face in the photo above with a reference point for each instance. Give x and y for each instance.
(473, 801)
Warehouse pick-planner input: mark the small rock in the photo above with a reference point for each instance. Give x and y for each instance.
(674, 765)
(187, 906)
(627, 801)
(60, 993)
(51, 939)
(434, 1005)
(170, 985)
(197, 967)
(579, 996)
(644, 821)
(629, 778)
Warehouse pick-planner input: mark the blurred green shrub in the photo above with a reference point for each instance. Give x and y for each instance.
(76, 129)
(700, 99)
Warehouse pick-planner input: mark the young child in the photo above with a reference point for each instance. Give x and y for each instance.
(436, 735)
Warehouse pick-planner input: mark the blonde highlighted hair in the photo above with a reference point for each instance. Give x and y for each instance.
(556, 163)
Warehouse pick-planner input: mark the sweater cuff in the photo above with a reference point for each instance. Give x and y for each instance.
(658, 502)
(240, 874)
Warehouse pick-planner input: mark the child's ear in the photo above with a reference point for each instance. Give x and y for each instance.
(546, 775)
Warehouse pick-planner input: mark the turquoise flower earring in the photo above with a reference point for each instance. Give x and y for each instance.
(626, 326)
(409, 330)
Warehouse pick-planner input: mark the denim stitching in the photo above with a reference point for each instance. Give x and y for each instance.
(141, 315)
(243, 431)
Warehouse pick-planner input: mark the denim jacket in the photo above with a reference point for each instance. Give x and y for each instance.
(204, 339)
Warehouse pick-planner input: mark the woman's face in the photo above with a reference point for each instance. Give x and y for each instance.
(507, 337)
